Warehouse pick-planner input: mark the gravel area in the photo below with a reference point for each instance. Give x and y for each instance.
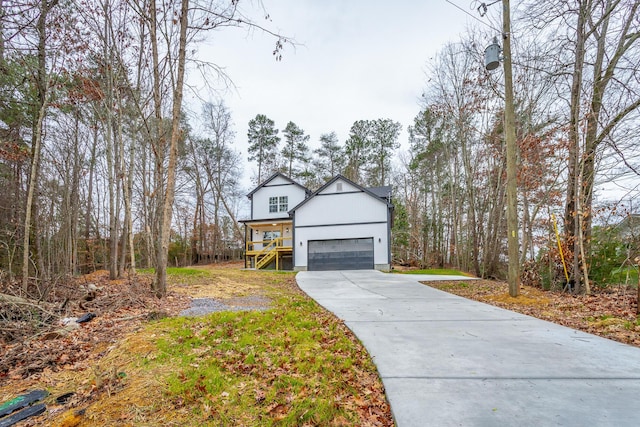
(202, 306)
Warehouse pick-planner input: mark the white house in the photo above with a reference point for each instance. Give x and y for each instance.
(341, 226)
(269, 231)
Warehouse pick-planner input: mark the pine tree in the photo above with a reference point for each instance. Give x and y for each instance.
(330, 156)
(358, 149)
(295, 150)
(263, 144)
(384, 142)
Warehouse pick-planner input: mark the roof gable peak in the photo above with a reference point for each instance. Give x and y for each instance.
(271, 178)
(343, 178)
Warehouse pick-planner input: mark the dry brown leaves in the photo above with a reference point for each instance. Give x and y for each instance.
(120, 306)
(609, 313)
(87, 361)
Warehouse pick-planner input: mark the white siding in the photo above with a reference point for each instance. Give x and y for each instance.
(275, 188)
(339, 186)
(341, 208)
(278, 180)
(342, 212)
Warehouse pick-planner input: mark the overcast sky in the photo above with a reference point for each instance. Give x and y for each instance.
(356, 59)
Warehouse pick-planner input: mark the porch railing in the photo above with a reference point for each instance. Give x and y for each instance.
(268, 252)
(282, 242)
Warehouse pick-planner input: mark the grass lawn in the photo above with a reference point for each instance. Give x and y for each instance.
(291, 364)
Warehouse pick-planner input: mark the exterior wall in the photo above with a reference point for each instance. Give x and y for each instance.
(342, 211)
(340, 186)
(341, 208)
(275, 188)
(377, 231)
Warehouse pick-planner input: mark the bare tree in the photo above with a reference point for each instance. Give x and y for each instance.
(42, 92)
(602, 98)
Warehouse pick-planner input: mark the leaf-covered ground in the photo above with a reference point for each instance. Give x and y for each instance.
(287, 362)
(610, 313)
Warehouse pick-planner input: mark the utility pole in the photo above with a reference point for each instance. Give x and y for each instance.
(510, 141)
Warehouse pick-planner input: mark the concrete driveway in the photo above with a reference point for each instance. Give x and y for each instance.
(448, 361)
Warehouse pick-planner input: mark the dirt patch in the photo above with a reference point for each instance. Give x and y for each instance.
(223, 287)
(202, 306)
(225, 281)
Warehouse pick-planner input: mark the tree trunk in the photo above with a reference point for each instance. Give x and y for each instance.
(75, 198)
(89, 257)
(111, 148)
(570, 217)
(129, 215)
(167, 208)
(472, 224)
(36, 140)
(1, 35)
(35, 164)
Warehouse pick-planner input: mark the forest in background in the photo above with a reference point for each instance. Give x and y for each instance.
(101, 167)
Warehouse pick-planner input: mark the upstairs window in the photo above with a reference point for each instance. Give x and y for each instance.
(284, 203)
(273, 204)
(278, 204)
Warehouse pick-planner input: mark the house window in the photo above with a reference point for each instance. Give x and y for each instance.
(278, 204)
(268, 236)
(284, 203)
(273, 204)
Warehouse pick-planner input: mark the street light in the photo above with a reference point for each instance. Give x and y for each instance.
(492, 61)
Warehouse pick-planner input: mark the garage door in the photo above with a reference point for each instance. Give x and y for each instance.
(343, 254)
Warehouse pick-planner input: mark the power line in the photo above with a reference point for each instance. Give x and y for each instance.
(473, 16)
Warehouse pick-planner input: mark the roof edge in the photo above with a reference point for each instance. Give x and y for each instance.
(331, 181)
(271, 178)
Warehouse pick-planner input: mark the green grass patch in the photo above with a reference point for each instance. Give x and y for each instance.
(440, 271)
(449, 286)
(292, 365)
(177, 272)
(631, 325)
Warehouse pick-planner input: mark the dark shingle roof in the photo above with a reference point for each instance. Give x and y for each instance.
(383, 192)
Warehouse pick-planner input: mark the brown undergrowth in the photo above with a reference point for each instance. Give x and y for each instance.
(120, 306)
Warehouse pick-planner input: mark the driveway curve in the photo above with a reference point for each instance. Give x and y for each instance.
(449, 361)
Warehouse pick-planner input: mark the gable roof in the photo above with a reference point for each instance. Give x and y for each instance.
(384, 192)
(383, 199)
(271, 178)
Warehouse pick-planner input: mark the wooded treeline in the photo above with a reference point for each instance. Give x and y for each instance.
(576, 98)
(365, 157)
(98, 164)
(101, 167)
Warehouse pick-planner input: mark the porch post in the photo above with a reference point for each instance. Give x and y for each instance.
(245, 246)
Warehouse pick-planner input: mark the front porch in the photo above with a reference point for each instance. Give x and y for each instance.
(269, 245)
